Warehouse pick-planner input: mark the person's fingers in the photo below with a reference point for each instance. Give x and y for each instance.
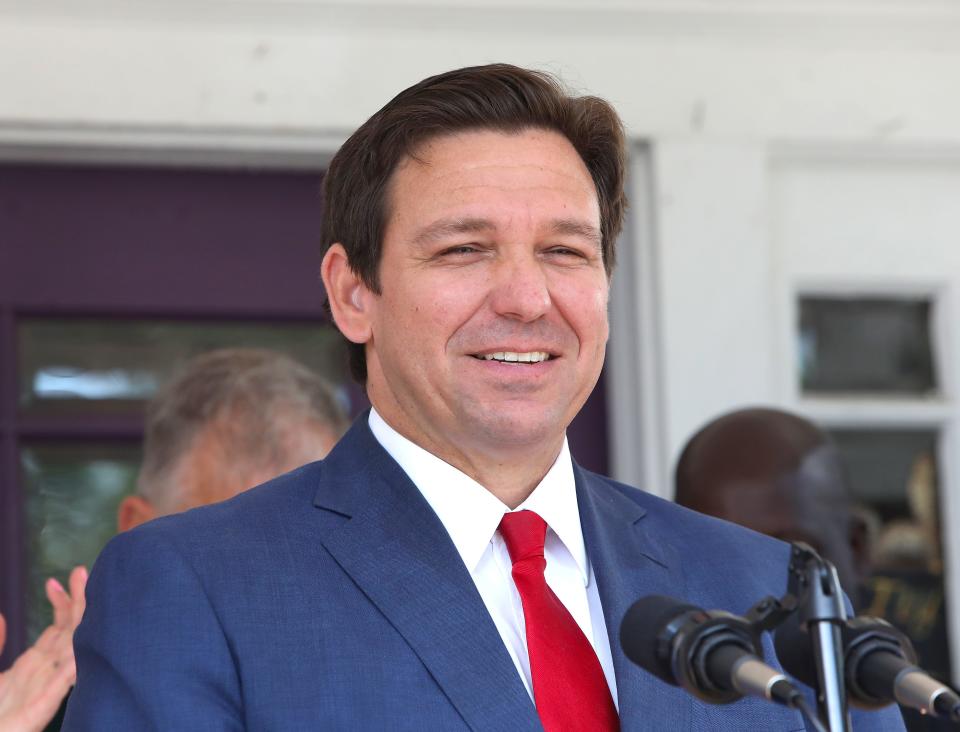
(38, 687)
(3, 632)
(48, 640)
(30, 672)
(50, 658)
(67, 661)
(78, 586)
(47, 699)
(44, 673)
(62, 648)
(65, 677)
(60, 601)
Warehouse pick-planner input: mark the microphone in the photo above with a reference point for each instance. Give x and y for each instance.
(879, 664)
(714, 655)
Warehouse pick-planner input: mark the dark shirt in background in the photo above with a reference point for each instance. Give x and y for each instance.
(913, 601)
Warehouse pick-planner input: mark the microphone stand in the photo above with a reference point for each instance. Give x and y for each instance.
(820, 609)
(814, 594)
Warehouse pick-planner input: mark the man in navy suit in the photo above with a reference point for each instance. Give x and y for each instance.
(447, 566)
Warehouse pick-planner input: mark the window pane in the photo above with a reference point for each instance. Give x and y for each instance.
(875, 345)
(110, 365)
(72, 492)
(880, 465)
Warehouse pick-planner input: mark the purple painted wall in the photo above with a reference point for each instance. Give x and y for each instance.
(160, 241)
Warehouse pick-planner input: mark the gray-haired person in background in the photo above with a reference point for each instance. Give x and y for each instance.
(229, 420)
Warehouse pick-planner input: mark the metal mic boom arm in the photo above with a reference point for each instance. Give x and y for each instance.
(820, 608)
(814, 594)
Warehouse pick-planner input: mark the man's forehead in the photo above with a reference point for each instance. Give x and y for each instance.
(481, 180)
(485, 148)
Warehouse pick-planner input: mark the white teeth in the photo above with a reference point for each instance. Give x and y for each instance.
(515, 357)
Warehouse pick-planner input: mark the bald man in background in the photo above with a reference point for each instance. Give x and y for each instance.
(779, 474)
(230, 420)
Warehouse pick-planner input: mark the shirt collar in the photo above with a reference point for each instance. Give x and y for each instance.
(470, 513)
(555, 499)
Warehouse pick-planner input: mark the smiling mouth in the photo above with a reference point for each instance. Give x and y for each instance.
(516, 357)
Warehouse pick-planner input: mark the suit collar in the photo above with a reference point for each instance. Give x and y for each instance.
(382, 532)
(379, 528)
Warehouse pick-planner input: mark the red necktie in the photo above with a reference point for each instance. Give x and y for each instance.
(569, 687)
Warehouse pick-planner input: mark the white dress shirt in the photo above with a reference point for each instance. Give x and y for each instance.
(471, 514)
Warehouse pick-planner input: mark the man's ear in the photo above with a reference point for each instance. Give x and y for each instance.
(133, 511)
(349, 296)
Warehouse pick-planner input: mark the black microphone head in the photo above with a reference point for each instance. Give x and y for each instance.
(874, 654)
(642, 630)
(865, 634)
(860, 637)
(676, 642)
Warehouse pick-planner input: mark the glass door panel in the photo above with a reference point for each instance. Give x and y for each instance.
(79, 364)
(72, 491)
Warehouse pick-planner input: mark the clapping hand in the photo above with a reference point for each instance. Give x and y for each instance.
(32, 689)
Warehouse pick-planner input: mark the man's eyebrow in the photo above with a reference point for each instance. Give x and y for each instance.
(450, 227)
(575, 227)
(443, 228)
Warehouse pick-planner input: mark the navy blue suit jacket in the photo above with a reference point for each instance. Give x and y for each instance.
(332, 598)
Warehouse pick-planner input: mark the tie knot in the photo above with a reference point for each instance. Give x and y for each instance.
(524, 532)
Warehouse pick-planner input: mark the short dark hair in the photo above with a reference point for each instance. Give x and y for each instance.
(497, 97)
(256, 392)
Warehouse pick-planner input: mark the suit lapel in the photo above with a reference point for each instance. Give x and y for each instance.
(383, 533)
(629, 563)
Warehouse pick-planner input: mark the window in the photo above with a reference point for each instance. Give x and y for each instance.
(865, 346)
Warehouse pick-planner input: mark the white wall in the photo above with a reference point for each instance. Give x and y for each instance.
(719, 89)
(715, 280)
(715, 69)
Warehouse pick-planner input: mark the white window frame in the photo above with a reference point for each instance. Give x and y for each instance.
(635, 412)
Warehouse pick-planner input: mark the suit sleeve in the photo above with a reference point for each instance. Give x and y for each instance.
(151, 652)
(887, 719)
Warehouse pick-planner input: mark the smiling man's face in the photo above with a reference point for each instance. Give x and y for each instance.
(490, 329)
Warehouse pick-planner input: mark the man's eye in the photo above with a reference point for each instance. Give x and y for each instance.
(460, 249)
(566, 252)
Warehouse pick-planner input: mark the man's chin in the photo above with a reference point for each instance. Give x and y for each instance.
(520, 433)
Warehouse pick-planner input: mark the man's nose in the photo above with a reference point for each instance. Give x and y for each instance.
(521, 290)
